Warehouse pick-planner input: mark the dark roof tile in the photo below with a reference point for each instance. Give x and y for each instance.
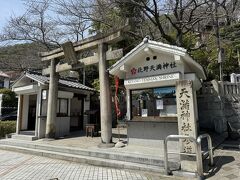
(62, 82)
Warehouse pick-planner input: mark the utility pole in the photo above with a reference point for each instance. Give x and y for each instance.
(219, 50)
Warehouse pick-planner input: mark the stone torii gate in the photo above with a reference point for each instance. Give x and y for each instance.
(69, 52)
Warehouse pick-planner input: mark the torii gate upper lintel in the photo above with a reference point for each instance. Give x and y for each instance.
(69, 51)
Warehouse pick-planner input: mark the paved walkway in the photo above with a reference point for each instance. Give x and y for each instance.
(79, 140)
(227, 165)
(17, 166)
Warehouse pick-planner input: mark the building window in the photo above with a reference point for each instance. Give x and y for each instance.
(62, 107)
(44, 107)
(1, 84)
(154, 102)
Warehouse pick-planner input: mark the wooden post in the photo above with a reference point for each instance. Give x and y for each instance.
(19, 114)
(52, 102)
(105, 99)
(1, 101)
(38, 112)
(128, 104)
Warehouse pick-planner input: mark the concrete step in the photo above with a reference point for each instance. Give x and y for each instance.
(24, 137)
(188, 175)
(85, 159)
(102, 154)
(231, 146)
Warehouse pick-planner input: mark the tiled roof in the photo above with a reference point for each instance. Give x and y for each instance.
(164, 47)
(143, 43)
(2, 74)
(62, 82)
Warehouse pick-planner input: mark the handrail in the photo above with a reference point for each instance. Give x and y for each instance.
(197, 144)
(210, 148)
(198, 155)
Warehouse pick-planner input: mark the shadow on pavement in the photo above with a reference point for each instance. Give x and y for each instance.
(219, 161)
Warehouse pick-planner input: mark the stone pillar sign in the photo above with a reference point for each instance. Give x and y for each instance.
(186, 122)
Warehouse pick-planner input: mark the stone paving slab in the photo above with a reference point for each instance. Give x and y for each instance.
(22, 166)
(227, 165)
(97, 154)
(17, 166)
(79, 140)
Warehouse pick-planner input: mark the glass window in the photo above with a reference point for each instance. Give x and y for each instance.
(62, 107)
(1, 84)
(44, 108)
(158, 102)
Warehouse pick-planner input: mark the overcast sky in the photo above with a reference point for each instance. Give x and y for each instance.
(9, 7)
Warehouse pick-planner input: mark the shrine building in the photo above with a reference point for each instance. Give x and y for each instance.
(161, 83)
(72, 103)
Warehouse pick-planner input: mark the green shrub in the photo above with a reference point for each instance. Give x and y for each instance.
(9, 101)
(7, 127)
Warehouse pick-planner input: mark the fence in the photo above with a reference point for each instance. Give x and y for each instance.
(219, 88)
(8, 113)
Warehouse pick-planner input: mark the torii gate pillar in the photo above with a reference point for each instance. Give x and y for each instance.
(105, 99)
(52, 102)
(69, 51)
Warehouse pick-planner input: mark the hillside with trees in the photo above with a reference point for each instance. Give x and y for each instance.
(21, 57)
(202, 27)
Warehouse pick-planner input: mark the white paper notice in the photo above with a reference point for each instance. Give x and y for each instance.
(159, 104)
(144, 112)
(44, 94)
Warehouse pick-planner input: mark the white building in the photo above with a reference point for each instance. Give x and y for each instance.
(4, 80)
(151, 72)
(32, 90)
(235, 78)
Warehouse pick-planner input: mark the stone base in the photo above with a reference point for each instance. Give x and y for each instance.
(24, 137)
(50, 135)
(120, 144)
(106, 145)
(188, 163)
(48, 139)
